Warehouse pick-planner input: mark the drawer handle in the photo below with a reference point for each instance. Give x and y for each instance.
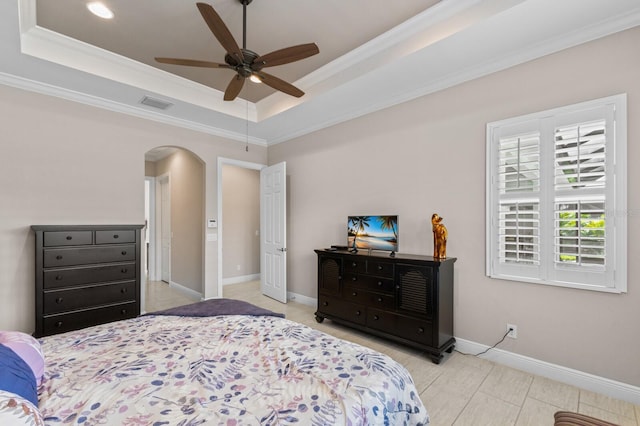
(59, 300)
(354, 264)
(339, 277)
(116, 236)
(69, 237)
(379, 283)
(59, 324)
(379, 299)
(325, 303)
(358, 313)
(58, 277)
(354, 278)
(397, 287)
(379, 267)
(420, 330)
(355, 293)
(59, 257)
(123, 290)
(123, 252)
(124, 311)
(123, 270)
(376, 318)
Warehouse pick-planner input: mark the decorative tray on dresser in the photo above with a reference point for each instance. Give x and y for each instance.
(85, 275)
(405, 298)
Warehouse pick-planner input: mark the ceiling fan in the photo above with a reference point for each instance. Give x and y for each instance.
(245, 62)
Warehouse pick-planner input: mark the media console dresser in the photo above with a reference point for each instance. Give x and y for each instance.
(405, 298)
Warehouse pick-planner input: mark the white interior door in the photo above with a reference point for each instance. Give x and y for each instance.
(273, 216)
(165, 229)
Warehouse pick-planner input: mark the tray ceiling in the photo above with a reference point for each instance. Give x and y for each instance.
(373, 54)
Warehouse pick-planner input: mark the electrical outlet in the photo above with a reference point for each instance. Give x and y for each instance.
(513, 331)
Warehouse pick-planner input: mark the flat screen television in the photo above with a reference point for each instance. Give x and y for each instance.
(373, 233)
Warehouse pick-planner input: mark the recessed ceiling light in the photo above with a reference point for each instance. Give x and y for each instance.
(100, 10)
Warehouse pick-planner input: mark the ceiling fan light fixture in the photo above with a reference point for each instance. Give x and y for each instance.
(255, 78)
(100, 10)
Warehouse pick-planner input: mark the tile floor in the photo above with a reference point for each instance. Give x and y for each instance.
(160, 296)
(462, 390)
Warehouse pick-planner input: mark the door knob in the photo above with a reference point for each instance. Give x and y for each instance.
(283, 249)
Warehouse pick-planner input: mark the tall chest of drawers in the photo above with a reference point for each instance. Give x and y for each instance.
(406, 298)
(85, 275)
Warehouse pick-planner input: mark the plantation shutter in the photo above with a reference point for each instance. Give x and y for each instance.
(556, 196)
(517, 181)
(580, 202)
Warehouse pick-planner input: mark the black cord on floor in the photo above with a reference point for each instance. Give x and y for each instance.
(487, 350)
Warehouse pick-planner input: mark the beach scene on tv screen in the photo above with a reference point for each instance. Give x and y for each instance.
(373, 232)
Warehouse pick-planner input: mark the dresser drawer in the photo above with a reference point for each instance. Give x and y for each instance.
(85, 297)
(402, 326)
(380, 269)
(381, 300)
(355, 294)
(60, 323)
(56, 278)
(355, 265)
(349, 311)
(115, 237)
(370, 283)
(88, 255)
(67, 238)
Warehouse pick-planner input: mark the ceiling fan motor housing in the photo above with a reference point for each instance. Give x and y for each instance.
(243, 68)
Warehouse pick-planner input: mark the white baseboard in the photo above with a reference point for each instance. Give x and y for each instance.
(305, 300)
(240, 279)
(188, 292)
(555, 372)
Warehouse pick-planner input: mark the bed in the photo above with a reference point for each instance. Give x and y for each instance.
(219, 367)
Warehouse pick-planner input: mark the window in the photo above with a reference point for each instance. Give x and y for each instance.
(556, 196)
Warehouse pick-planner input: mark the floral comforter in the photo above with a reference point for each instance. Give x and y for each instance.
(221, 370)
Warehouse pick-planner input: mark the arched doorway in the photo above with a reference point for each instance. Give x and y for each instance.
(174, 209)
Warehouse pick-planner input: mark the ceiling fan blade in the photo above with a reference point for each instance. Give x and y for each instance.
(220, 30)
(234, 88)
(191, 63)
(286, 55)
(280, 85)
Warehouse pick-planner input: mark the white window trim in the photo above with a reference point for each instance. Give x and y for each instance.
(616, 223)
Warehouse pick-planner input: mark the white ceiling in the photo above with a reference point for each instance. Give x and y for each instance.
(373, 54)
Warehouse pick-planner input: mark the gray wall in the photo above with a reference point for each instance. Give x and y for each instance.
(427, 156)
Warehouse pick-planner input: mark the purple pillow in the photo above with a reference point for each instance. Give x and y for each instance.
(28, 348)
(16, 376)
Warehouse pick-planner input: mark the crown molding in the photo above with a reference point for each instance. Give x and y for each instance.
(95, 101)
(426, 28)
(443, 35)
(477, 70)
(57, 48)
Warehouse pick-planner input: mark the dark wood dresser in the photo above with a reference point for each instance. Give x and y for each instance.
(406, 298)
(86, 275)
